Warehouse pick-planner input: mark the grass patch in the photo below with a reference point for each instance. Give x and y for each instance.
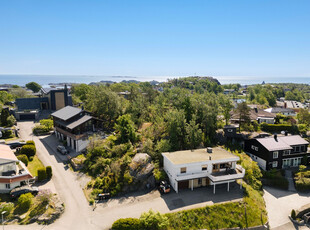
(34, 165)
(248, 213)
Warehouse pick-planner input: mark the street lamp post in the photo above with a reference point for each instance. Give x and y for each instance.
(2, 213)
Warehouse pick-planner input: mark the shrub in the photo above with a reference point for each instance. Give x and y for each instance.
(159, 174)
(29, 150)
(8, 207)
(24, 202)
(293, 214)
(127, 224)
(10, 120)
(30, 158)
(277, 128)
(42, 174)
(91, 201)
(40, 129)
(30, 143)
(23, 158)
(153, 220)
(49, 172)
(48, 123)
(7, 134)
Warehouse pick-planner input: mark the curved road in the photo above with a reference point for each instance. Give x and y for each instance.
(78, 213)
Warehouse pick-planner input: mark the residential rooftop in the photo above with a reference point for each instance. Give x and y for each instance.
(66, 112)
(282, 142)
(199, 155)
(7, 153)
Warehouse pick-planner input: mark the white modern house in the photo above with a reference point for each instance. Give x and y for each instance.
(189, 169)
(13, 172)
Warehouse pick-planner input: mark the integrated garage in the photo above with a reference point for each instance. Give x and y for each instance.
(24, 116)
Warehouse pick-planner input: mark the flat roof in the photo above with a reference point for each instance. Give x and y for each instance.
(199, 155)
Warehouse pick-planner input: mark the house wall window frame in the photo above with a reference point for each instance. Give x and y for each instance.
(204, 167)
(254, 147)
(229, 130)
(275, 164)
(286, 152)
(8, 186)
(275, 154)
(183, 170)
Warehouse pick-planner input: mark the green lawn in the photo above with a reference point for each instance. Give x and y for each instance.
(34, 165)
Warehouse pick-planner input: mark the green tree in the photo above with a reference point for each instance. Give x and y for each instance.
(194, 134)
(125, 129)
(4, 117)
(104, 103)
(244, 114)
(176, 130)
(35, 87)
(11, 120)
(226, 107)
(303, 117)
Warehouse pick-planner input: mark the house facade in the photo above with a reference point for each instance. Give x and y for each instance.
(255, 114)
(50, 99)
(13, 173)
(74, 125)
(277, 151)
(190, 169)
(283, 111)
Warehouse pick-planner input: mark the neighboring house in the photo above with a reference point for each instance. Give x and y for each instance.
(258, 115)
(50, 99)
(228, 91)
(277, 151)
(295, 105)
(201, 167)
(283, 111)
(74, 125)
(13, 172)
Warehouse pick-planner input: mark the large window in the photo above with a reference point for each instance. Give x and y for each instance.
(254, 147)
(183, 170)
(275, 164)
(286, 152)
(275, 154)
(8, 186)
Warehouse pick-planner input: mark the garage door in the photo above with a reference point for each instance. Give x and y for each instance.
(27, 117)
(183, 184)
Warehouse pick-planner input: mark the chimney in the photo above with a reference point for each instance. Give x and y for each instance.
(209, 150)
(275, 137)
(82, 107)
(286, 133)
(210, 158)
(285, 105)
(256, 110)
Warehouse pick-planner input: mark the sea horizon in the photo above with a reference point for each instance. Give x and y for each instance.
(45, 80)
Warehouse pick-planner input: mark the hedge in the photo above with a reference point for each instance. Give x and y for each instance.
(29, 150)
(49, 172)
(40, 129)
(127, 224)
(42, 174)
(23, 158)
(30, 143)
(277, 128)
(7, 134)
(278, 182)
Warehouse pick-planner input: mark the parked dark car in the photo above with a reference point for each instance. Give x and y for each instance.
(104, 196)
(164, 187)
(17, 144)
(62, 149)
(16, 192)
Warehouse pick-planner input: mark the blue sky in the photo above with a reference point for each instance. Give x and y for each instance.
(155, 38)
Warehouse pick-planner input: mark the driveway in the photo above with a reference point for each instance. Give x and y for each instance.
(279, 204)
(79, 215)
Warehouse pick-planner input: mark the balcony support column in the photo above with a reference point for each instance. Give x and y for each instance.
(213, 188)
(228, 186)
(241, 184)
(192, 184)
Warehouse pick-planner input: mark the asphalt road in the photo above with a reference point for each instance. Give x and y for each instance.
(77, 213)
